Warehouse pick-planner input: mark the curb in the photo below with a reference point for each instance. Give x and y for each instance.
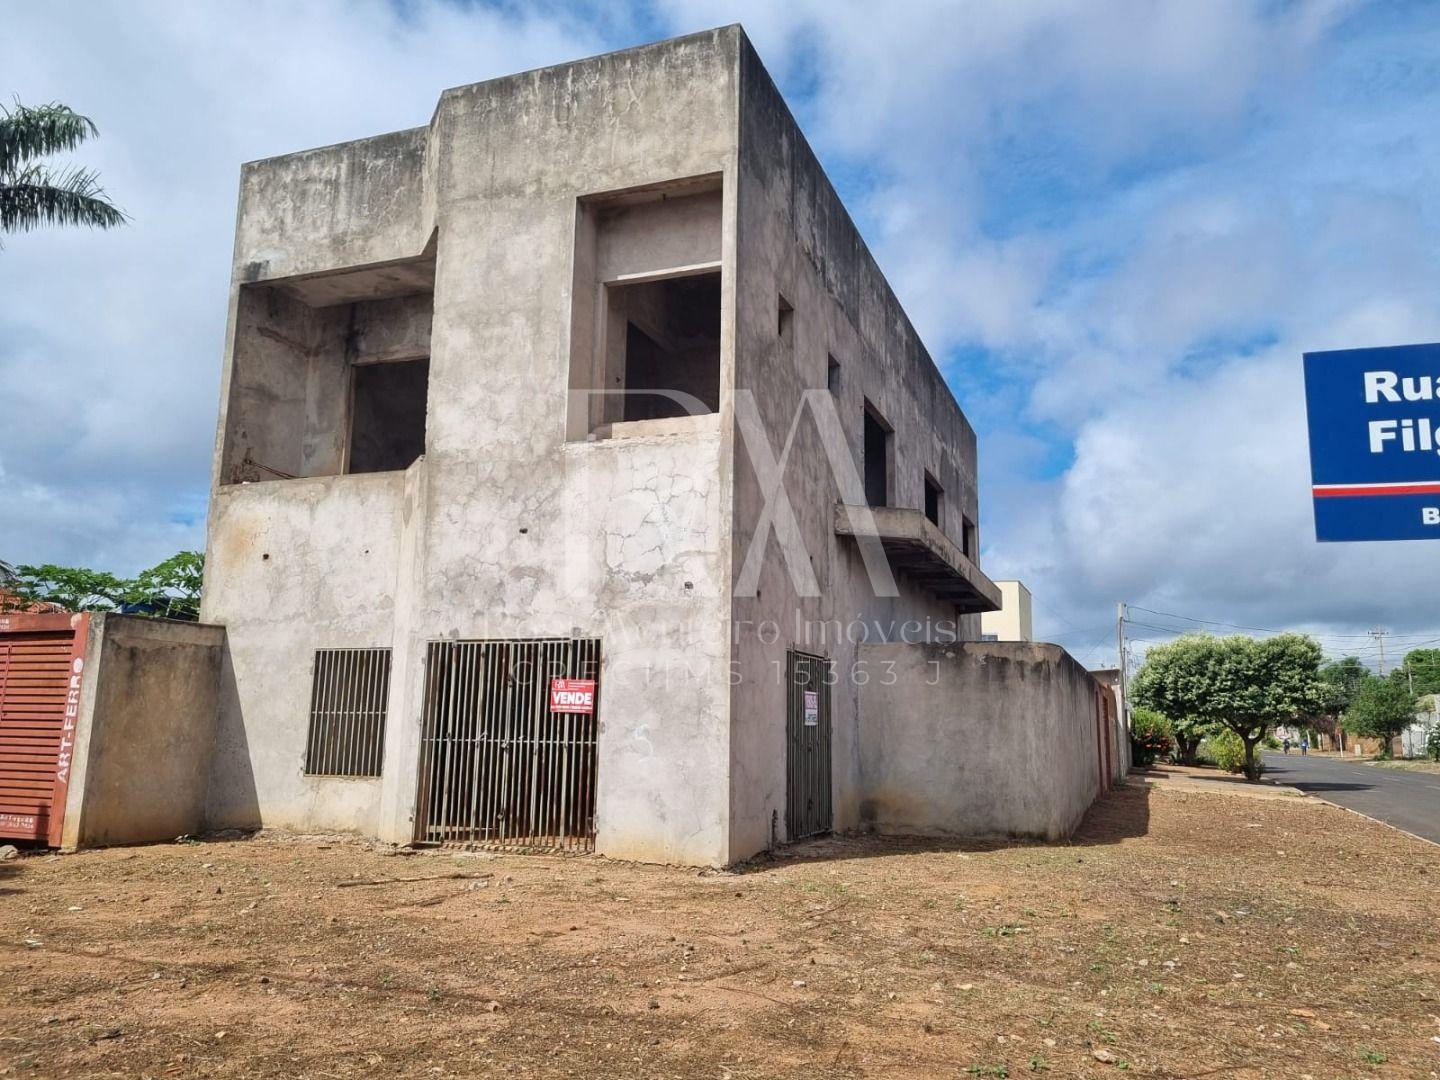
(1376, 820)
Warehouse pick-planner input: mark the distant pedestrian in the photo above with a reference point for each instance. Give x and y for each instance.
(1305, 744)
(1285, 742)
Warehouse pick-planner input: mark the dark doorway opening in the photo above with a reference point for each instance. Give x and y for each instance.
(808, 809)
(387, 419)
(877, 458)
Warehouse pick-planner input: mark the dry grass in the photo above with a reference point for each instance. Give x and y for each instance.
(1409, 764)
(1181, 935)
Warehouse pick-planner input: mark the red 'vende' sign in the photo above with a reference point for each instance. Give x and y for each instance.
(572, 696)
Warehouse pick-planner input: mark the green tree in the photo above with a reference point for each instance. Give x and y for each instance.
(1236, 683)
(1172, 682)
(73, 588)
(170, 589)
(1151, 737)
(1189, 732)
(33, 193)
(1421, 671)
(1339, 680)
(1344, 678)
(1381, 709)
(1267, 682)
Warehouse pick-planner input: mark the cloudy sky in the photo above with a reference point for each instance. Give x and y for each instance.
(1117, 225)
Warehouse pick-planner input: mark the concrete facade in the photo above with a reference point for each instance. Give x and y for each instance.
(1013, 622)
(545, 246)
(144, 733)
(981, 740)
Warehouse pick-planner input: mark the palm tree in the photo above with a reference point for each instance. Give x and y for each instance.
(32, 193)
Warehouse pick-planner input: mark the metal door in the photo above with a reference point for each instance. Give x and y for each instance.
(499, 766)
(807, 758)
(41, 657)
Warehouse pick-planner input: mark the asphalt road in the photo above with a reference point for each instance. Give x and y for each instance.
(1405, 799)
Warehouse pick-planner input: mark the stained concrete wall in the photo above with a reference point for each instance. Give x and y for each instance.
(145, 731)
(796, 240)
(978, 740)
(507, 527)
(517, 522)
(292, 567)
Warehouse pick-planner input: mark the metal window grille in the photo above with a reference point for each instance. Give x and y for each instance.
(498, 768)
(348, 701)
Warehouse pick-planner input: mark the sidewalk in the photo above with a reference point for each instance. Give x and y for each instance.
(1178, 778)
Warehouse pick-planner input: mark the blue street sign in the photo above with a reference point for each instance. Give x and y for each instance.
(1374, 418)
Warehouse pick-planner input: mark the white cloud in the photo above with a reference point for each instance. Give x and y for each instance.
(110, 343)
(1145, 211)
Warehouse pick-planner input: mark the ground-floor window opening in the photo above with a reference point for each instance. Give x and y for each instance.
(349, 696)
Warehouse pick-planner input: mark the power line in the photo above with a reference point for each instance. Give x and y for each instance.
(1333, 646)
(1082, 630)
(1104, 633)
(1409, 641)
(1254, 629)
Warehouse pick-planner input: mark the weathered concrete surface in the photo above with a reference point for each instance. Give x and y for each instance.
(513, 524)
(796, 240)
(291, 568)
(537, 510)
(978, 739)
(145, 731)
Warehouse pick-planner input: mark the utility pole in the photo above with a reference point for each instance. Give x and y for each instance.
(1379, 635)
(1124, 673)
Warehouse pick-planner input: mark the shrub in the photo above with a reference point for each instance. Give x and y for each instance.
(1432, 743)
(1226, 750)
(1151, 737)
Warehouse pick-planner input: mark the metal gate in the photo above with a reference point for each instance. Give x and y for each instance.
(807, 743)
(499, 767)
(41, 658)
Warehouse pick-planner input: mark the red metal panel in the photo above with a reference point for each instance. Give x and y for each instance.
(41, 660)
(65, 751)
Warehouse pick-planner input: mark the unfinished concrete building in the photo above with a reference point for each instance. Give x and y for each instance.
(574, 456)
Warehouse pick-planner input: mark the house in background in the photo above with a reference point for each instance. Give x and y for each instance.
(1012, 622)
(1414, 741)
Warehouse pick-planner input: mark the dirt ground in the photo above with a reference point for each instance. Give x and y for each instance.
(1182, 934)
